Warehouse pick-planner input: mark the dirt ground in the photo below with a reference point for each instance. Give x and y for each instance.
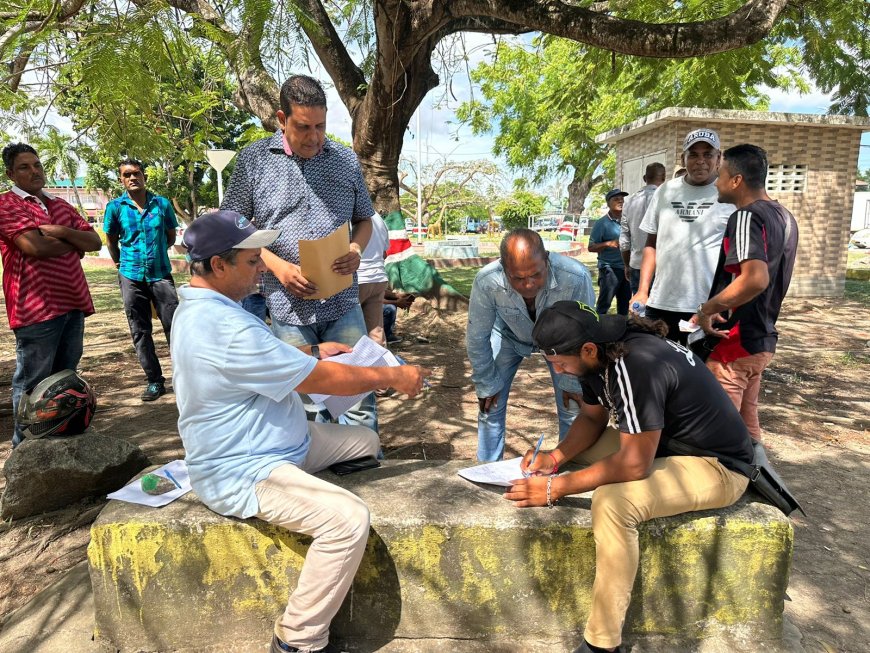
(815, 409)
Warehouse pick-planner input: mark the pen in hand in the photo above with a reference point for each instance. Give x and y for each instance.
(535, 455)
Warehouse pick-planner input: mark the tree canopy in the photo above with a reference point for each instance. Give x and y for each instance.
(379, 55)
(547, 101)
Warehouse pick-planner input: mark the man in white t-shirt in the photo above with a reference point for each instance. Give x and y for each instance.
(248, 447)
(372, 280)
(685, 222)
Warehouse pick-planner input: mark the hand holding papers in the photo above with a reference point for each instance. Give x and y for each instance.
(316, 258)
(366, 353)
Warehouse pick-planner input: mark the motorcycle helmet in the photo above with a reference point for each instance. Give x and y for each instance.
(62, 404)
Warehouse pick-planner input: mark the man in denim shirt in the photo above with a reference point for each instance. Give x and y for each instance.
(506, 298)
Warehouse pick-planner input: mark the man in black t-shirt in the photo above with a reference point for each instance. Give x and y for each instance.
(756, 261)
(654, 391)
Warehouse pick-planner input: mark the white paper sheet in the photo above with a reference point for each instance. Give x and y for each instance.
(366, 353)
(501, 472)
(133, 492)
(688, 327)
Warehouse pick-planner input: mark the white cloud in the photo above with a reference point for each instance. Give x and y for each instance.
(792, 102)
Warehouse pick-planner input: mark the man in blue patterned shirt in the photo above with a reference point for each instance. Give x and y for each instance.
(305, 185)
(140, 228)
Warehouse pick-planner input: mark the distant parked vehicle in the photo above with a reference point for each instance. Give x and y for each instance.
(861, 239)
(545, 223)
(412, 230)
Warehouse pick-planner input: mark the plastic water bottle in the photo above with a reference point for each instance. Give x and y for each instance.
(639, 309)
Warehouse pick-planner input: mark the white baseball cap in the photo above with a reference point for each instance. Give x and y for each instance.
(702, 135)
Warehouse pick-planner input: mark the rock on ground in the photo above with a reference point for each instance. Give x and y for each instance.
(47, 474)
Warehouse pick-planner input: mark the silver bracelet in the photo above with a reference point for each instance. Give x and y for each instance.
(549, 483)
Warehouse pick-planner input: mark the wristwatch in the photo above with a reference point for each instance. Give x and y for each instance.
(315, 351)
(701, 310)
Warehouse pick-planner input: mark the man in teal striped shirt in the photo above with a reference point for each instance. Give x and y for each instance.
(140, 228)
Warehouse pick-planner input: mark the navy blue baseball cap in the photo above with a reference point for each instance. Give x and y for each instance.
(220, 231)
(614, 193)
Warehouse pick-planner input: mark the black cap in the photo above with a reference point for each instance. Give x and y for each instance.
(614, 193)
(566, 326)
(219, 231)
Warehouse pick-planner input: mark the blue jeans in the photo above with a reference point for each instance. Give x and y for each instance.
(634, 281)
(491, 425)
(256, 304)
(42, 349)
(347, 329)
(389, 320)
(612, 283)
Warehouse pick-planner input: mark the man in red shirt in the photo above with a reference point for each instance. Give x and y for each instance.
(756, 261)
(42, 241)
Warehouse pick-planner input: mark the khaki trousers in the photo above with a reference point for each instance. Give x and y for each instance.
(337, 520)
(741, 380)
(371, 298)
(675, 485)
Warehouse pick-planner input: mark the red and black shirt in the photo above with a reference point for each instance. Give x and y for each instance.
(763, 231)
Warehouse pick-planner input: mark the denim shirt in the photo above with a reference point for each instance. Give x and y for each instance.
(496, 306)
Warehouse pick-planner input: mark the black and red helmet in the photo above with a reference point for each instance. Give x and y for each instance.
(62, 404)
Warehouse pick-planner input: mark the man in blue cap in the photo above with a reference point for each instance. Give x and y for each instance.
(604, 241)
(248, 447)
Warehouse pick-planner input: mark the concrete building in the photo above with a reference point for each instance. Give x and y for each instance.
(813, 164)
(94, 200)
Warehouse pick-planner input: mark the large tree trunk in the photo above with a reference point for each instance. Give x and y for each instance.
(578, 191)
(379, 129)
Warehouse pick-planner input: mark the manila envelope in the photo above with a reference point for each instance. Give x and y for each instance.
(316, 258)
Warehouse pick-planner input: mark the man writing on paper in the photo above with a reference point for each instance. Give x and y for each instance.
(507, 298)
(654, 391)
(306, 186)
(249, 449)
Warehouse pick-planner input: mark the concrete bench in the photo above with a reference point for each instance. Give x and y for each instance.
(450, 566)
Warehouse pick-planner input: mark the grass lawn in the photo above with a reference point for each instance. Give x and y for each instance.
(103, 282)
(107, 297)
(858, 291)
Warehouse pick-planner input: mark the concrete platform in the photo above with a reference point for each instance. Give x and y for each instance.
(449, 564)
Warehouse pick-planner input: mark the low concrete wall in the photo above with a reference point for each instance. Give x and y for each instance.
(449, 566)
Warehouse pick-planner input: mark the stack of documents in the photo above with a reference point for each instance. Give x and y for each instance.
(366, 353)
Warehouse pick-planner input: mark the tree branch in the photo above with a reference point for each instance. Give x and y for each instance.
(746, 25)
(346, 75)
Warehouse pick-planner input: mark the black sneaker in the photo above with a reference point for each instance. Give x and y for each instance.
(280, 647)
(586, 648)
(153, 391)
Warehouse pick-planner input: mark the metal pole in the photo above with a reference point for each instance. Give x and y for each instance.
(419, 180)
(220, 180)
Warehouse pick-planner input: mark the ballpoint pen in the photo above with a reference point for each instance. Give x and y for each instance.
(535, 454)
(172, 478)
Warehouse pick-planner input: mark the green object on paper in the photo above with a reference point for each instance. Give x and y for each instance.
(154, 484)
